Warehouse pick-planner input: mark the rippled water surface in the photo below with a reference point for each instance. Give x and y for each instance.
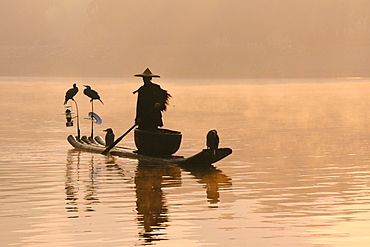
(298, 175)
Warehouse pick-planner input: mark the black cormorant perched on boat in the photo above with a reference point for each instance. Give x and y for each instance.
(212, 140)
(92, 94)
(109, 137)
(71, 93)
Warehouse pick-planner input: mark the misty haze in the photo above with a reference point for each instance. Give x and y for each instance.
(268, 119)
(213, 38)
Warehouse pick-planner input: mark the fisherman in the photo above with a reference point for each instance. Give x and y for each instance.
(152, 100)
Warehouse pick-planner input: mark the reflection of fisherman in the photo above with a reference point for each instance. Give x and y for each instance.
(151, 207)
(150, 96)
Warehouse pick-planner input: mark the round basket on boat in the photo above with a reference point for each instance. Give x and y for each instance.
(158, 142)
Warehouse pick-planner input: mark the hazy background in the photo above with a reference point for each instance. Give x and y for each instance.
(192, 38)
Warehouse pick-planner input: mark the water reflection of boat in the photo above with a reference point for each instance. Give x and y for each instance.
(72, 187)
(211, 177)
(97, 145)
(152, 209)
(150, 179)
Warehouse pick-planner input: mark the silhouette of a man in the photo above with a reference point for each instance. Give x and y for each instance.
(151, 101)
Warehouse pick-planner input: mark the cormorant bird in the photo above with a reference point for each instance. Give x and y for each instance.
(92, 94)
(109, 137)
(212, 140)
(71, 93)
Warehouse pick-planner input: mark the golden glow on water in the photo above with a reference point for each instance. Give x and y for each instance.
(298, 175)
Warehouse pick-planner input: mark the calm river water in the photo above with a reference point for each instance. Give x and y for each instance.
(299, 174)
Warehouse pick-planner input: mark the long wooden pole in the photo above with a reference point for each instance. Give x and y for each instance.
(118, 140)
(122, 136)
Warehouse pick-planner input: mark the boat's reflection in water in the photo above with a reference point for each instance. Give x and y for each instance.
(211, 177)
(150, 179)
(72, 185)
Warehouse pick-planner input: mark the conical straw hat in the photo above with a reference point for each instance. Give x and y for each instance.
(147, 73)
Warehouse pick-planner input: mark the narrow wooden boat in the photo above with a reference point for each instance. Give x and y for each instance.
(157, 142)
(97, 145)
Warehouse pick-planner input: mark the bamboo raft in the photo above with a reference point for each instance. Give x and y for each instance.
(97, 145)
